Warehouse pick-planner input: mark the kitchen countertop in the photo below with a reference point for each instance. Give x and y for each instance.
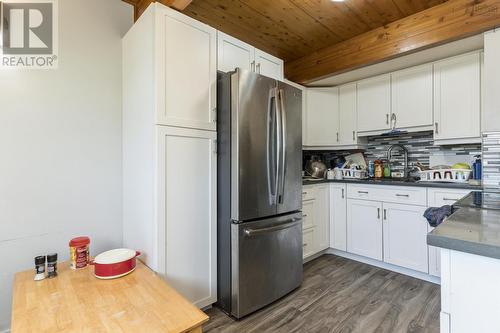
(76, 301)
(396, 182)
(470, 230)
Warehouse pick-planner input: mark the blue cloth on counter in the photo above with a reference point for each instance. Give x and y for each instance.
(436, 215)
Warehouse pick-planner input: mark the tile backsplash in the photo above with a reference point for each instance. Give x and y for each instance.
(420, 146)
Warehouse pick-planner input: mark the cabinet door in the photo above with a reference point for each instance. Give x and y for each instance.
(412, 97)
(338, 217)
(405, 236)
(322, 217)
(374, 103)
(347, 115)
(233, 53)
(322, 117)
(187, 71)
(457, 97)
(187, 211)
(364, 228)
(268, 65)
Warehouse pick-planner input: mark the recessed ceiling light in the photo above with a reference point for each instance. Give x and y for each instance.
(338, 0)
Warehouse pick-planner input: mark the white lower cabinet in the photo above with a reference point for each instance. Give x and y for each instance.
(405, 236)
(338, 217)
(187, 212)
(322, 217)
(437, 197)
(364, 228)
(308, 243)
(316, 218)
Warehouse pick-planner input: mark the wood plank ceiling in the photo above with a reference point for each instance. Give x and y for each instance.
(291, 29)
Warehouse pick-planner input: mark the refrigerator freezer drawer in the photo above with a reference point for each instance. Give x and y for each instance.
(266, 262)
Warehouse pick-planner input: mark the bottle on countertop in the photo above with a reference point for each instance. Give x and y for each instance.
(379, 169)
(52, 265)
(39, 268)
(371, 169)
(477, 167)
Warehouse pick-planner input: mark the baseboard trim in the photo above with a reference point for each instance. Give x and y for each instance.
(397, 269)
(314, 256)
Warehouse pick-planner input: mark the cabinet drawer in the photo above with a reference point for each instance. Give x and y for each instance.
(308, 214)
(441, 197)
(308, 193)
(308, 243)
(386, 193)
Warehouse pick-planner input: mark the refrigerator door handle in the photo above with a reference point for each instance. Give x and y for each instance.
(278, 142)
(271, 147)
(253, 232)
(282, 111)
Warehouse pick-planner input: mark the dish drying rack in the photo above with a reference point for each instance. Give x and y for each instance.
(446, 175)
(354, 174)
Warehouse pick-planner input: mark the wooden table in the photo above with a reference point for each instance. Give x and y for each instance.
(76, 301)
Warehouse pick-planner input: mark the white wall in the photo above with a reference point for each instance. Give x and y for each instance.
(60, 144)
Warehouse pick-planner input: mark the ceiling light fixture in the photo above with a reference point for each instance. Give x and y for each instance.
(338, 0)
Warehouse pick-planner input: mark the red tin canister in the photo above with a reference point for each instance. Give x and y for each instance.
(79, 252)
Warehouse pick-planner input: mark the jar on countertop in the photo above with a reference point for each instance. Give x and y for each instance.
(79, 252)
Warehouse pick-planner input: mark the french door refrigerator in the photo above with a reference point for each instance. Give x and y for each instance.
(259, 123)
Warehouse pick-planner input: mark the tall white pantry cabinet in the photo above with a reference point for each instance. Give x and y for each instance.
(169, 149)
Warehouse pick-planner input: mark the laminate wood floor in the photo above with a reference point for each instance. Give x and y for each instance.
(342, 295)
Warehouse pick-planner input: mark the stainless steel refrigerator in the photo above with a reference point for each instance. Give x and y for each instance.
(259, 191)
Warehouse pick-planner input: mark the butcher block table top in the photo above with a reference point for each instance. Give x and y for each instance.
(76, 301)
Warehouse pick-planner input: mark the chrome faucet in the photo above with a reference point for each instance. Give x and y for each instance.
(405, 151)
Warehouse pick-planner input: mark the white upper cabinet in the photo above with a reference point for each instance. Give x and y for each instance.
(322, 117)
(187, 71)
(233, 53)
(268, 65)
(457, 98)
(491, 70)
(405, 234)
(412, 97)
(374, 103)
(347, 115)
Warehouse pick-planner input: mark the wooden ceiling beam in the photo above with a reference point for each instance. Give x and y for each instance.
(142, 5)
(450, 21)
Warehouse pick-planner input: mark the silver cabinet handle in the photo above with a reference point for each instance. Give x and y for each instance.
(304, 245)
(437, 128)
(252, 66)
(337, 136)
(353, 135)
(304, 193)
(304, 215)
(258, 68)
(378, 213)
(214, 110)
(387, 118)
(403, 195)
(342, 193)
(385, 214)
(362, 192)
(450, 199)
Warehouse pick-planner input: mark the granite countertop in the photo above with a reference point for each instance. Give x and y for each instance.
(396, 182)
(470, 230)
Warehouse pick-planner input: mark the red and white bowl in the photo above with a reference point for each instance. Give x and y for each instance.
(115, 263)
